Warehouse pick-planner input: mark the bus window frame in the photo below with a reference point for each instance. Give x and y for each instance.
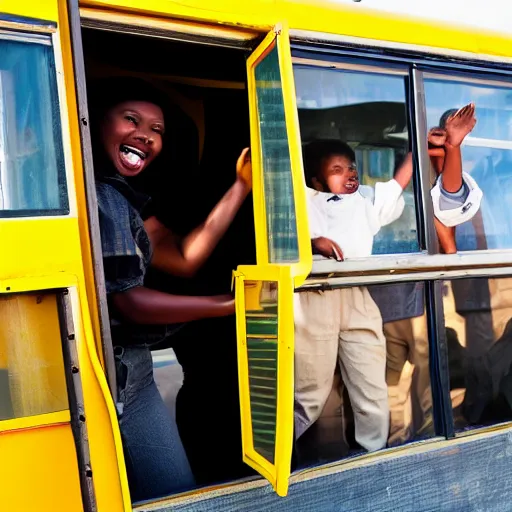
(429, 263)
(47, 35)
(428, 266)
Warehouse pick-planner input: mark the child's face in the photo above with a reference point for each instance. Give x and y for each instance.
(132, 135)
(338, 175)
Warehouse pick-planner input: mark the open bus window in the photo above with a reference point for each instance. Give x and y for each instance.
(486, 153)
(277, 177)
(196, 168)
(368, 111)
(362, 370)
(32, 174)
(32, 378)
(477, 319)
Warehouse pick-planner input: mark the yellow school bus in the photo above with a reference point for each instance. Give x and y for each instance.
(305, 70)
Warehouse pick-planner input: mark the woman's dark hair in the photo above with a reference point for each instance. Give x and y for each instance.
(106, 93)
(317, 150)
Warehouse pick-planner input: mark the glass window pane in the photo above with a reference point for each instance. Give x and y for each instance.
(362, 375)
(32, 175)
(275, 154)
(32, 379)
(368, 112)
(489, 162)
(478, 322)
(261, 328)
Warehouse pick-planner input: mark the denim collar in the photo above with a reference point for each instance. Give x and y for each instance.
(138, 200)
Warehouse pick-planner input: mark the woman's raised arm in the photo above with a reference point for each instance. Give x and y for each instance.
(183, 257)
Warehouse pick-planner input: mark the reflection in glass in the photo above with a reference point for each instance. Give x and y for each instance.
(261, 329)
(32, 176)
(368, 111)
(275, 154)
(487, 156)
(477, 318)
(32, 379)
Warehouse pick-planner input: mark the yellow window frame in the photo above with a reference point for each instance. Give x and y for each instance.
(287, 275)
(279, 38)
(279, 472)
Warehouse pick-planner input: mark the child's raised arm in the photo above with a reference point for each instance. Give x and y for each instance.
(404, 173)
(457, 127)
(449, 139)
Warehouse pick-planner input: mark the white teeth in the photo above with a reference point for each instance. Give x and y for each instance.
(131, 150)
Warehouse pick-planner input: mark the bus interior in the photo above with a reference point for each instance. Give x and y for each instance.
(207, 84)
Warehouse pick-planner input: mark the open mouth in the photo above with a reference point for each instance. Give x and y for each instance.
(351, 185)
(131, 157)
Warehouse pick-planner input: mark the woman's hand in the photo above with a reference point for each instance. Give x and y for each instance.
(244, 168)
(142, 305)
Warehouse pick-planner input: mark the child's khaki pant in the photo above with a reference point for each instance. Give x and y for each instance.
(343, 324)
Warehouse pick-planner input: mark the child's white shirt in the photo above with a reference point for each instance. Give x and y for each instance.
(356, 218)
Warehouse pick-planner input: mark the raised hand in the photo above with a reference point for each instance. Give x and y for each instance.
(436, 137)
(244, 168)
(458, 125)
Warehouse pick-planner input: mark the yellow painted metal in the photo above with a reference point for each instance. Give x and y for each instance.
(39, 247)
(286, 275)
(39, 9)
(302, 268)
(39, 471)
(45, 253)
(105, 445)
(158, 23)
(76, 155)
(31, 354)
(279, 37)
(41, 420)
(279, 472)
(321, 16)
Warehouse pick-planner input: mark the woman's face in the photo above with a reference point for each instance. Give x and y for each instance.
(132, 135)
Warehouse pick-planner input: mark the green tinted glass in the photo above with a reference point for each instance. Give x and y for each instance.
(275, 153)
(261, 328)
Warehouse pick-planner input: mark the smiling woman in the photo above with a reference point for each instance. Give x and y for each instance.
(128, 122)
(129, 128)
(132, 135)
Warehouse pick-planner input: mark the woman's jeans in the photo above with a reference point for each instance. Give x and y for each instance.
(155, 458)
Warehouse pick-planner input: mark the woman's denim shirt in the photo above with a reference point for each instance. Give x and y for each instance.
(126, 255)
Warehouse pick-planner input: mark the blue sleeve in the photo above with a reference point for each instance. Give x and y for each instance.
(123, 262)
(452, 200)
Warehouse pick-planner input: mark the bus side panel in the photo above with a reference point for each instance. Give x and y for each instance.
(469, 474)
(39, 470)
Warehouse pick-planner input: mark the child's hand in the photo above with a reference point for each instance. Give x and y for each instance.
(327, 248)
(244, 168)
(436, 137)
(458, 125)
